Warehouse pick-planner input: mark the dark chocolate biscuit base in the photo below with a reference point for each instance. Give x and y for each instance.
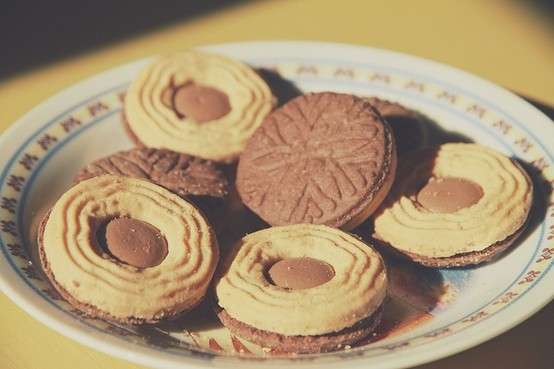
(407, 125)
(322, 158)
(391, 108)
(458, 260)
(182, 174)
(90, 310)
(302, 344)
(197, 180)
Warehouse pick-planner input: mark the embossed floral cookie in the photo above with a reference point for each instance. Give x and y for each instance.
(197, 180)
(197, 103)
(407, 125)
(455, 205)
(301, 288)
(323, 158)
(127, 250)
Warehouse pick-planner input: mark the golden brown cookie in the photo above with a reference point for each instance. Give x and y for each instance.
(322, 158)
(127, 250)
(455, 205)
(197, 103)
(196, 180)
(301, 288)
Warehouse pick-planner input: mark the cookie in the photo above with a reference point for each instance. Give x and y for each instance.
(322, 158)
(407, 125)
(197, 103)
(455, 205)
(301, 288)
(196, 180)
(303, 344)
(127, 250)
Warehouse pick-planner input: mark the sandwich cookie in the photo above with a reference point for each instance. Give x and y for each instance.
(127, 250)
(455, 205)
(322, 158)
(301, 288)
(407, 125)
(197, 103)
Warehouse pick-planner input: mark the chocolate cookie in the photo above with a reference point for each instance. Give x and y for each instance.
(301, 288)
(323, 158)
(122, 249)
(455, 205)
(197, 103)
(197, 180)
(458, 260)
(303, 344)
(407, 125)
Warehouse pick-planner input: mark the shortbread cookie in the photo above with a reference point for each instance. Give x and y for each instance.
(455, 205)
(301, 288)
(322, 158)
(197, 103)
(127, 250)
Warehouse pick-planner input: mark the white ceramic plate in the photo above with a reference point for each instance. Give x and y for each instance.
(448, 310)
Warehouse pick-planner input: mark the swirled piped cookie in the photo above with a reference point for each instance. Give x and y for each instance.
(455, 205)
(125, 249)
(301, 288)
(197, 103)
(322, 158)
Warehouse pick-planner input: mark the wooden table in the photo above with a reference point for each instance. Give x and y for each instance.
(507, 42)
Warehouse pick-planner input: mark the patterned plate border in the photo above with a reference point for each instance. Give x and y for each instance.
(24, 166)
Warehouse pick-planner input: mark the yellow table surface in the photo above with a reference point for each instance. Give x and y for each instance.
(508, 42)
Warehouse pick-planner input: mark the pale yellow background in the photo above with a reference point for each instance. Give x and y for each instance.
(507, 42)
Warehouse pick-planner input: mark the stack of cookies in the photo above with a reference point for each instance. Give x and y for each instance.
(135, 240)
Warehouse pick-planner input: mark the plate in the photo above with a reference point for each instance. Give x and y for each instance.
(430, 314)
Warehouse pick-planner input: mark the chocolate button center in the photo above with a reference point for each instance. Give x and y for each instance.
(201, 103)
(135, 242)
(300, 273)
(449, 194)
